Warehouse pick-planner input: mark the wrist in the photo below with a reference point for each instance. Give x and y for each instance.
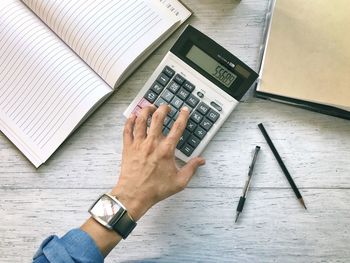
(135, 207)
(104, 238)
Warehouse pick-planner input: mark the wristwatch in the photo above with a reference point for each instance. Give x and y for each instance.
(109, 212)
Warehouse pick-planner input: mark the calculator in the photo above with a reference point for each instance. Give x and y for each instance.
(198, 73)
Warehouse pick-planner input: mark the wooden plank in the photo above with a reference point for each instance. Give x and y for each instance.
(196, 225)
(314, 147)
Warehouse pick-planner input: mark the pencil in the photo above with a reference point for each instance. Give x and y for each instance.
(283, 167)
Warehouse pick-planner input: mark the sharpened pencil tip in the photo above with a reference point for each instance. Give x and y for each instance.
(301, 200)
(237, 215)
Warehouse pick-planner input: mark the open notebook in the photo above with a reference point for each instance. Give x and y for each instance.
(307, 55)
(59, 60)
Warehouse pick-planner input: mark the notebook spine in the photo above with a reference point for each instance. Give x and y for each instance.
(316, 107)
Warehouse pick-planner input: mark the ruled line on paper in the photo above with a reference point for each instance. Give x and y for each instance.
(103, 32)
(42, 82)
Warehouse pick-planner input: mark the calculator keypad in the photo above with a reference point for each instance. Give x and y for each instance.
(173, 89)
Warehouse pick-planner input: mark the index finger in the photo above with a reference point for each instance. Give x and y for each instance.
(178, 127)
(158, 120)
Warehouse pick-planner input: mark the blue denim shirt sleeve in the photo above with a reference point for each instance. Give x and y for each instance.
(75, 246)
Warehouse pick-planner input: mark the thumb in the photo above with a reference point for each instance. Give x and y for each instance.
(191, 167)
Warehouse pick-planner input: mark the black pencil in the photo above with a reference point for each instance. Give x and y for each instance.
(280, 162)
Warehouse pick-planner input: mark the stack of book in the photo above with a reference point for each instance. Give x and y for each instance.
(306, 56)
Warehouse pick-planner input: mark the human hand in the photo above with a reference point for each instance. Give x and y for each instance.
(149, 173)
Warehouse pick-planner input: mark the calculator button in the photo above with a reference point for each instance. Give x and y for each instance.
(192, 101)
(177, 102)
(196, 117)
(169, 71)
(183, 94)
(160, 102)
(191, 125)
(203, 108)
(213, 115)
(157, 88)
(163, 79)
(206, 124)
(176, 115)
(166, 120)
(216, 106)
(167, 95)
(183, 138)
(151, 96)
(188, 106)
(179, 79)
(194, 141)
(200, 94)
(187, 150)
(200, 132)
(172, 111)
(166, 131)
(170, 124)
(189, 86)
(173, 87)
(143, 103)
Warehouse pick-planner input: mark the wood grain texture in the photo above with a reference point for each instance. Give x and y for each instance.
(197, 225)
(315, 148)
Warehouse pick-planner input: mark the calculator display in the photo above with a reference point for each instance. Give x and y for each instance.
(211, 66)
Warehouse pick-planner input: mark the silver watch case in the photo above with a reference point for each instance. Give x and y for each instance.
(107, 210)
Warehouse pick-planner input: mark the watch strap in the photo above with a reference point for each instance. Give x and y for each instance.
(124, 225)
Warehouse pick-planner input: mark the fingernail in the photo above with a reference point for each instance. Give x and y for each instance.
(132, 115)
(185, 108)
(202, 161)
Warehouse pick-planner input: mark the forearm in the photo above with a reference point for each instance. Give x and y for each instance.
(105, 239)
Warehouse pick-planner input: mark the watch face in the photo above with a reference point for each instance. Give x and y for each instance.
(106, 208)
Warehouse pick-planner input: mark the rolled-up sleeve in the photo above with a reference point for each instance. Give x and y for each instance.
(75, 246)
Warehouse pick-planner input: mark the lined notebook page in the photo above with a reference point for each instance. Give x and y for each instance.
(107, 34)
(45, 88)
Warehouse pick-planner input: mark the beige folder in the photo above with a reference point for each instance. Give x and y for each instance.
(307, 54)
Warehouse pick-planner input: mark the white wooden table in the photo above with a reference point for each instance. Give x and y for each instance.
(197, 225)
